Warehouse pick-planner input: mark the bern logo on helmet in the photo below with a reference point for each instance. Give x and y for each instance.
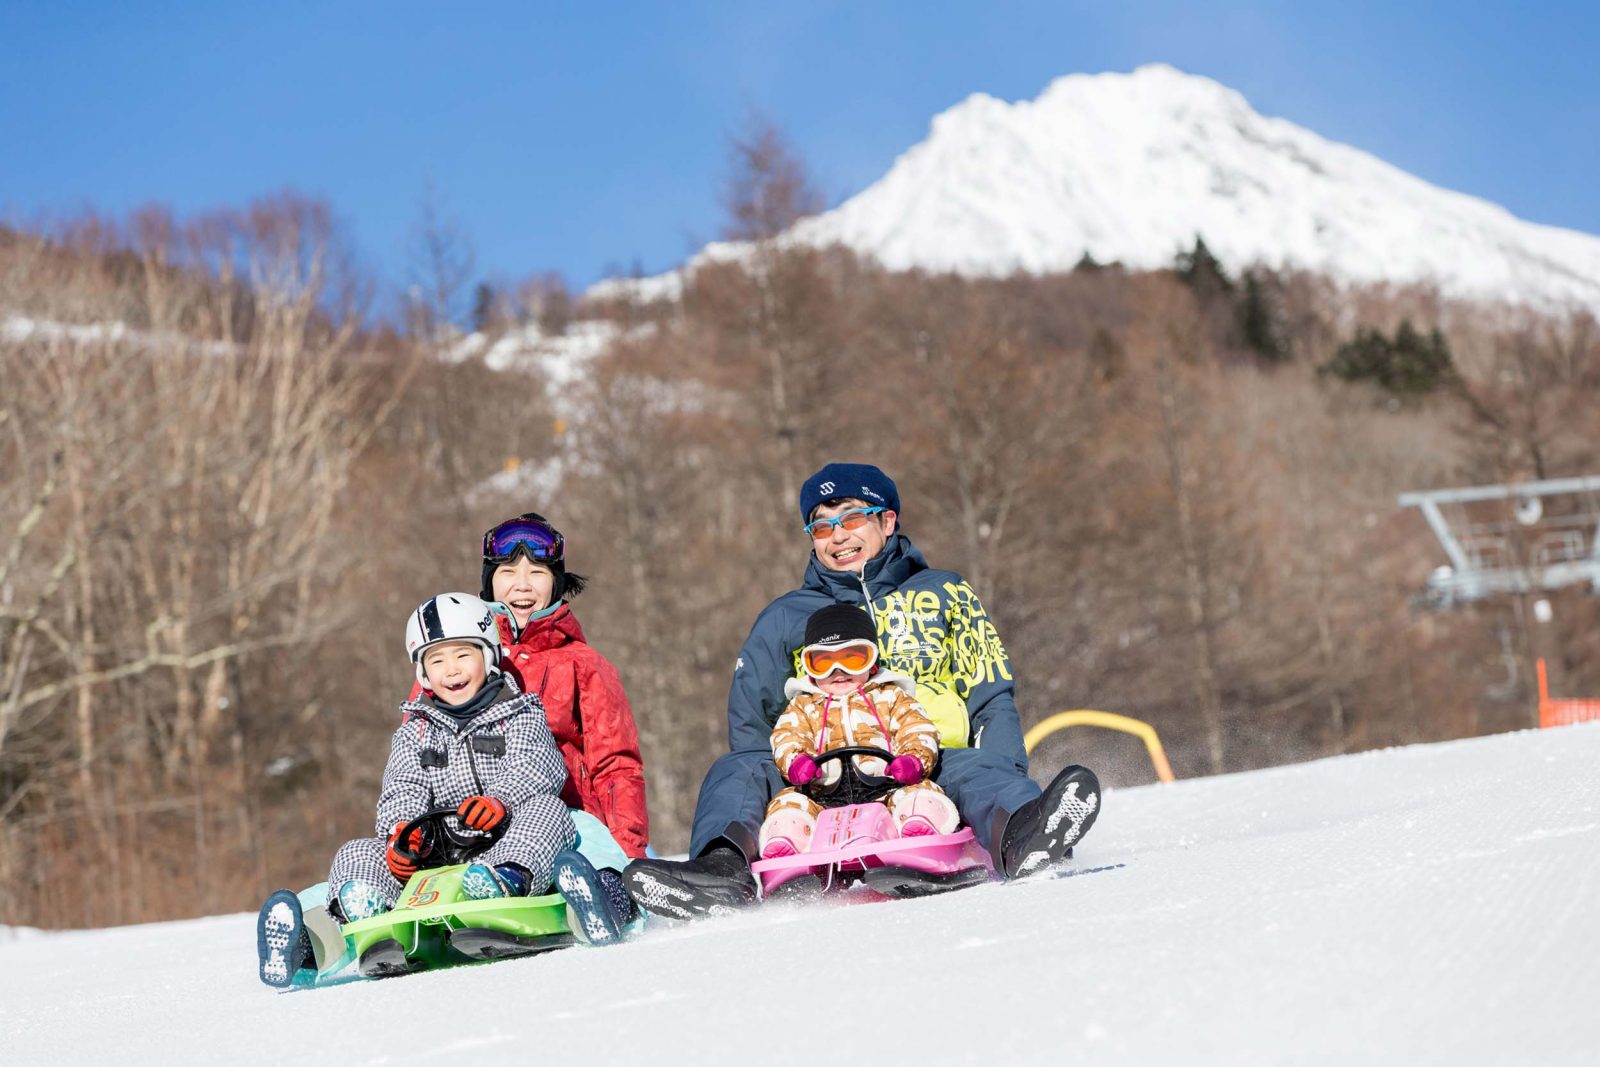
(486, 623)
(826, 489)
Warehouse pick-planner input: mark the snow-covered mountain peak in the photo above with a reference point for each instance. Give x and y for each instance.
(1132, 167)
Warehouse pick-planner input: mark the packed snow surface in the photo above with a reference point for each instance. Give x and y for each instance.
(1130, 168)
(1429, 905)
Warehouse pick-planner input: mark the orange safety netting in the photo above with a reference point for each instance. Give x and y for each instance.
(1563, 712)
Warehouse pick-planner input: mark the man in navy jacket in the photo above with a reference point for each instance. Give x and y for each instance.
(930, 626)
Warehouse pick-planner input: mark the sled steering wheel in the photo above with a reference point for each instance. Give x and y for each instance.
(852, 787)
(444, 845)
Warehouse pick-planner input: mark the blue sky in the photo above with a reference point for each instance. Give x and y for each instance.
(582, 137)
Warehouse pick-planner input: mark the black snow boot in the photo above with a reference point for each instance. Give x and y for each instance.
(1041, 833)
(283, 945)
(590, 912)
(713, 884)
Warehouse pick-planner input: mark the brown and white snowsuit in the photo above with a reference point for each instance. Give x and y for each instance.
(884, 713)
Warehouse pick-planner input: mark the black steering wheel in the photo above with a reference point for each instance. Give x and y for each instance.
(444, 845)
(852, 786)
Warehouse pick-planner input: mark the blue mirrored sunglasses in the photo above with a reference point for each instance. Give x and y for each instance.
(542, 543)
(854, 519)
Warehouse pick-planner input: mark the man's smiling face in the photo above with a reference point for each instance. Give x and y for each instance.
(849, 550)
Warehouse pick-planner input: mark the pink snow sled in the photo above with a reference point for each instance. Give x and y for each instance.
(856, 841)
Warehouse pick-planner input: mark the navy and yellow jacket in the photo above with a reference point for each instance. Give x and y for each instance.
(930, 626)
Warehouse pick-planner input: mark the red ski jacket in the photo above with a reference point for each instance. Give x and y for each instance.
(589, 715)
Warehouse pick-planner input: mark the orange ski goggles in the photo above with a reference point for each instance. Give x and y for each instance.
(857, 657)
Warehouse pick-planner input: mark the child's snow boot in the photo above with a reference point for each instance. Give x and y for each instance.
(359, 899)
(590, 912)
(282, 942)
(786, 832)
(921, 812)
(483, 882)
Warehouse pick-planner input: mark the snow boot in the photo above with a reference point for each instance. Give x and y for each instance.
(714, 884)
(359, 899)
(590, 913)
(786, 833)
(282, 943)
(1041, 833)
(482, 882)
(617, 893)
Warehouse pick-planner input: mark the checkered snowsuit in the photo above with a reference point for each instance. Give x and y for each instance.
(505, 752)
(884, 713)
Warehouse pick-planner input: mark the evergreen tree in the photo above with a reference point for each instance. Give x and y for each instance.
(1408, 367)
(482, 306)
(1200, 270)
(1259, 322)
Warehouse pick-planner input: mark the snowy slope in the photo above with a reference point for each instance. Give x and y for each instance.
(1130, 167)
(1430, 905)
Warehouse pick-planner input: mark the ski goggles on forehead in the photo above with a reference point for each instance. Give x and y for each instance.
(855, 658)
(854, 519)
(542, 543)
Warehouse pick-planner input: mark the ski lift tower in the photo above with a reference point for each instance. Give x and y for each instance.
(1501, 540)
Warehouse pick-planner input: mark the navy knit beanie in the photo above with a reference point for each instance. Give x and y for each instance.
(862, 481)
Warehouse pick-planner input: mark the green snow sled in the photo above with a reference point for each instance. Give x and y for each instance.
(434, 924)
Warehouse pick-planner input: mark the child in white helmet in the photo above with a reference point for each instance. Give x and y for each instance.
(470, 741)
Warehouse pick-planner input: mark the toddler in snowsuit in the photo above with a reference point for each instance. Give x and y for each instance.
(845, 699)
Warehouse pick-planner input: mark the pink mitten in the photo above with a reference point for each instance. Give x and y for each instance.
(907, 770)
(802, 769)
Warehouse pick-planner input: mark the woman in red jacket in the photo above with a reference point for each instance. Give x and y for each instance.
(524, 568)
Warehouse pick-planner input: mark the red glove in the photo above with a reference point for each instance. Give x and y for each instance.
(802, 769)
(482, 813)
(399, 866)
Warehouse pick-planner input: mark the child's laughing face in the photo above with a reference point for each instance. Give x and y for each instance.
(455, 670)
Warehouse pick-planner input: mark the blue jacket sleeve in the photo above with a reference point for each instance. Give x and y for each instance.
(755, 699)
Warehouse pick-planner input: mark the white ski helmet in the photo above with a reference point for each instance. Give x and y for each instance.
(453, 617)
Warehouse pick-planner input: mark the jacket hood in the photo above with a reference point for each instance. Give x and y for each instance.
(888, 570)
(795, 686)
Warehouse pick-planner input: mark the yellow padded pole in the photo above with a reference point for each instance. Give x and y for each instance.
(1107, 720)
